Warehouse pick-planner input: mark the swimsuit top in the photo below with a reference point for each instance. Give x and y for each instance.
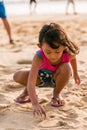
(46, 65)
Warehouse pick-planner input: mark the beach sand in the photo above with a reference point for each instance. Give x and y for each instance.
(13, 116)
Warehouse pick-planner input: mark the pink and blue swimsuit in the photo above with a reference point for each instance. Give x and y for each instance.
(46, 70)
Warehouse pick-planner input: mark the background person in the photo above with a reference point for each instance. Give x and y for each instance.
(4, 19)
(72, 2)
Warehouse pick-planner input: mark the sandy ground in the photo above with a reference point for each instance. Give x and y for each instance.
(13, 116)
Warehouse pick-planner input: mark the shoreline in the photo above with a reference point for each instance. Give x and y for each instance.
(48, 17)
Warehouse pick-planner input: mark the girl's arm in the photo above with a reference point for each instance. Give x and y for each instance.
(74, 65)
(74, 68)
(31, 86)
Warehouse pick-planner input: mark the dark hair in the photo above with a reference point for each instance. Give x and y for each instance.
(53, 34)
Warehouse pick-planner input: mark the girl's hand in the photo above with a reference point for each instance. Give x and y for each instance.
(38, 110)
(77, 79)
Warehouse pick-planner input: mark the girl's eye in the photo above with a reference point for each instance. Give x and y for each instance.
(48, 52)
(57, 52)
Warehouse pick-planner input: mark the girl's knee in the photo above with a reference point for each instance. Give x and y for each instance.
(65, 69)
(16, 76)
(21, 76)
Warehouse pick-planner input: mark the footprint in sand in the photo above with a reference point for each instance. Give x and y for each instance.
(84, 86)
(3, 106)
(44, 101)
(13, 129)
(7, 70)
(85, 118)
(81, 71)
(81, 62)
(55, 124)
(23, 61)
(2, 66)
(83, 76)
(48, 123)
(3, 99)
(4, 103)
(72, 114)
(12, 87)
(84, 99)
(71, 118)
(84, 127)
(17, 50)
(54, 121)
(78, 104)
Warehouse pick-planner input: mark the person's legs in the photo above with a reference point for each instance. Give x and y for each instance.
(8, 29)
(67, 6)
(3, 16)
(74, 12)
(61, 77)
(33, 5)
(30, 7)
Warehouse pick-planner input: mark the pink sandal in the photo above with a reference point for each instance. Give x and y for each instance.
(56, 102)
(23, 98)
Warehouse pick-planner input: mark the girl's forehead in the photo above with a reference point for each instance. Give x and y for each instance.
(47, 47)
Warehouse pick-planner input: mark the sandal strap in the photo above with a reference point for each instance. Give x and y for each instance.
(58, 101)
(54, 98)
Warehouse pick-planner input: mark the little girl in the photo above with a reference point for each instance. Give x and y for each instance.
(51, 65)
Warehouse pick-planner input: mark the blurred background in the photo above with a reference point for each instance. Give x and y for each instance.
(21, 7)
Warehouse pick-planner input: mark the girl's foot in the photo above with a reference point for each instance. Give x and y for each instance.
(57, 102)
(23, 98)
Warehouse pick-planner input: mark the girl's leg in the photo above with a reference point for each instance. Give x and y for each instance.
(21, 77)
(61, 78)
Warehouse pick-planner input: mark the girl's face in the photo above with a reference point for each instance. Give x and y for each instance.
(53, 55)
